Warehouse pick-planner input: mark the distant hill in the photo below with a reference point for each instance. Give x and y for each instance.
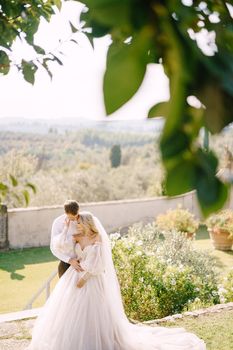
(42, 126)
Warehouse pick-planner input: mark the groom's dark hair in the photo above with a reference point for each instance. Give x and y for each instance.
(71, 207)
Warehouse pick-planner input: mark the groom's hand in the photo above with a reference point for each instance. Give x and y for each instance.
(73, 262)
(81, 283)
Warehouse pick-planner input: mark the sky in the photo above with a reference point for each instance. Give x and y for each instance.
(76, 88)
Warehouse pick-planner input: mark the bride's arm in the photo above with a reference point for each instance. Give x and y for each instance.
(92, 265)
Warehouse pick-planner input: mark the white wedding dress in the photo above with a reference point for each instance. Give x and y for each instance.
(92, 317)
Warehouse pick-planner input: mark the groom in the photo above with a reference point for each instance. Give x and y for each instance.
(67, 222)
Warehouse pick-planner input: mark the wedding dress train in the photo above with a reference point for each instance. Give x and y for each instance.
(92, 317)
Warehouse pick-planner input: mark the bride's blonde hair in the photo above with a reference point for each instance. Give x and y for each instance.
(88, 224)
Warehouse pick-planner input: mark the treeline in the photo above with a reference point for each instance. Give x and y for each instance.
(82, 165)
(89, 165)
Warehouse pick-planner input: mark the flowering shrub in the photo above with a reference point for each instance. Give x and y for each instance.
(179, 219)
(150, 289)
(175, 250)
(160, 278)
(223, 219)
(225, 289)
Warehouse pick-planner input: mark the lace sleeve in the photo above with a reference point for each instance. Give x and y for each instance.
(93, 264)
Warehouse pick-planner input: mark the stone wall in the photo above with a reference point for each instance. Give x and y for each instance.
(30, 227)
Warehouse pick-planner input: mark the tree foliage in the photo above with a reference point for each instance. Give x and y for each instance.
(153, 31)
(21, 19)
(168, 32)
(115, 156)
(18, 193)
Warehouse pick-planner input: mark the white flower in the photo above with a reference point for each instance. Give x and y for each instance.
(214, 293)
(197, 299)
(141, 279)
(173, 282)
(115, 236)
(139, 243)
(221, 290)
(150, 254)
(139, 253)
(222, 299)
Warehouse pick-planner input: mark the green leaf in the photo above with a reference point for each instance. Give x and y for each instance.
(39, 49)
(126, 67)
(111, 14)
(173, 145)
(18, 198)
(4, 63)
(74, 41)
(3, 187)
(100, 3)
(74, 30)
(181, 178)
(29, 70)
(58, 4)
(26, 196)
(207, 161)
(44, 64)
(217, 103)
(14, 181)
(159, 110)
(97, 29)
(31, 29)
(32, 186)
(55, 58)
(212, 194)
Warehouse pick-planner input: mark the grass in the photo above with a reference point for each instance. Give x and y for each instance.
(224, 258)
(215, 329)
(23, 271)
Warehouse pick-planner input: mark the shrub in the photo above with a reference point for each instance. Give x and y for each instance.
(176, 250)
(225, 289)
(150, 289)
(179, 219)
(223, 220)
(161, 277)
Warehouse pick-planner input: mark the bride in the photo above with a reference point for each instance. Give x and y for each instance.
(85, 311)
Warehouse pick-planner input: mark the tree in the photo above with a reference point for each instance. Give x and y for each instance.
(167, 32)
(115, 156)
(21, 19)
(17, 191)
(162, 32)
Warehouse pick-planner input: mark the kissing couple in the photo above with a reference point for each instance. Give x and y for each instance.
(85, 309)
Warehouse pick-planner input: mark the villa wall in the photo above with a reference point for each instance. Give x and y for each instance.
(31, 227)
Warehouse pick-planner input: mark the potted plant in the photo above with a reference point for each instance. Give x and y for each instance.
(220, 227)
(179, 219)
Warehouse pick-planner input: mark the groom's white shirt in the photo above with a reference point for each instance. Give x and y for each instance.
(59, 227)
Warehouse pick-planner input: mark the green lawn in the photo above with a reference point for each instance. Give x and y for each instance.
(215, 329)
(23, 271)
(203, 242)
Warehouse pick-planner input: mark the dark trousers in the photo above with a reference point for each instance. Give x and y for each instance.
(62, 267)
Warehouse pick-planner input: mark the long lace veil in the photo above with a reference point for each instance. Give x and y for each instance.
(113, 286)
(126, 333)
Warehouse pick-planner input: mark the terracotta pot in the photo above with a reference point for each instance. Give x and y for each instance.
(190, 235)
(220, 239)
